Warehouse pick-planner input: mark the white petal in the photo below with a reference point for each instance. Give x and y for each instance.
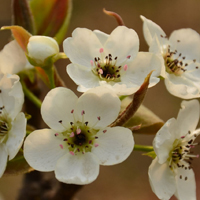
(3, 159)
(121, 88)
(115, 145)
(101, 36)
(181, 87)
(188, 117)
(16, 135)
(42, 149)
(121, 43)
(11, 96)
(189, 45)
(12, 58)
(83, 76)
(57, 106)
(82, 47)
(163, 142)
(186, 189)
(150, 29)
(77, 169)
(140, 67)
(105, 105)
(162, 180)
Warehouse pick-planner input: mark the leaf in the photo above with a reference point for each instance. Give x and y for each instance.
(151, 154)
(20, 35)
(17, 166)
(134, 104)
(52, 17)
(22, 15)
(150, 122)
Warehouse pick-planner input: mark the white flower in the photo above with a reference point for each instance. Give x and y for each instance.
(12, 121)
(111, 60)
(42, 48)
(79, 139)
(13, 59)
(181, 60)
(170, 172)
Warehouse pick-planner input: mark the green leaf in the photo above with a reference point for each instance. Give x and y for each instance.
(150, 122)
(22, 15)
(18, 165)
(52, 17)
(151, 154)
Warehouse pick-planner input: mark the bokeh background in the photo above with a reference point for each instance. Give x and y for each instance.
(129, 180)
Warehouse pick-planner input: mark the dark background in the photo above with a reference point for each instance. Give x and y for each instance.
(129, 180)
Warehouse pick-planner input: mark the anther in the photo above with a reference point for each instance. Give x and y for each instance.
(99, 118)
(86, 123)
(60, 121)
(101, 50)
(82, 112)
(61, 146)
(72, 111)
(104, 131)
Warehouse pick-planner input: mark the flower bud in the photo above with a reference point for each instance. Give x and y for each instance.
(42, 50)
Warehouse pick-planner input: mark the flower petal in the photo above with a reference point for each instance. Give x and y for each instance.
(114, 146)
(186, 42)
(150, 29)
(101, 36)
(57, 106)
(82, 47)
(162, 180)
(181, 87)
(3, 158)
(42, 149)
(140, 67)
(77, 169)
(11, 96)
(12, 58)
(98, 103)
(82, 76)
(186, 187)
(163, 142)
(188, 117)
(121, 43)
(16, 135)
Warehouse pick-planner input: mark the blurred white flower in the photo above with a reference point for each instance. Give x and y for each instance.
(13, 59)
(41, 49)
(111, 60)
(12, 121)
(170, 172)
(181, 60)
(79, 139)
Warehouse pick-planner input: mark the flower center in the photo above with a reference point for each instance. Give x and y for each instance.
(181, 155)
(80, 137)
(106, 68)
(174, 62)
(4, 125)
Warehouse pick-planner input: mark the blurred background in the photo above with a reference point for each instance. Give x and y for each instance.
(129, 180)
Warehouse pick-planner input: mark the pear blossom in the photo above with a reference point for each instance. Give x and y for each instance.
(171, 172)
(180, 55)
(110, 60)
(12, 121)
(79, 139)
(41, 49)
(13, 59)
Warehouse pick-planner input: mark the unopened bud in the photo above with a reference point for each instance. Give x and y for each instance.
(42, 50)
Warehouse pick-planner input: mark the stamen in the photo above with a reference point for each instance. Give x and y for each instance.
(72, 134)
(101, 50)
(78, 131)
(125, 67)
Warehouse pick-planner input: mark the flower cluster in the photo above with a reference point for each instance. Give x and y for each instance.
(89, 131)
